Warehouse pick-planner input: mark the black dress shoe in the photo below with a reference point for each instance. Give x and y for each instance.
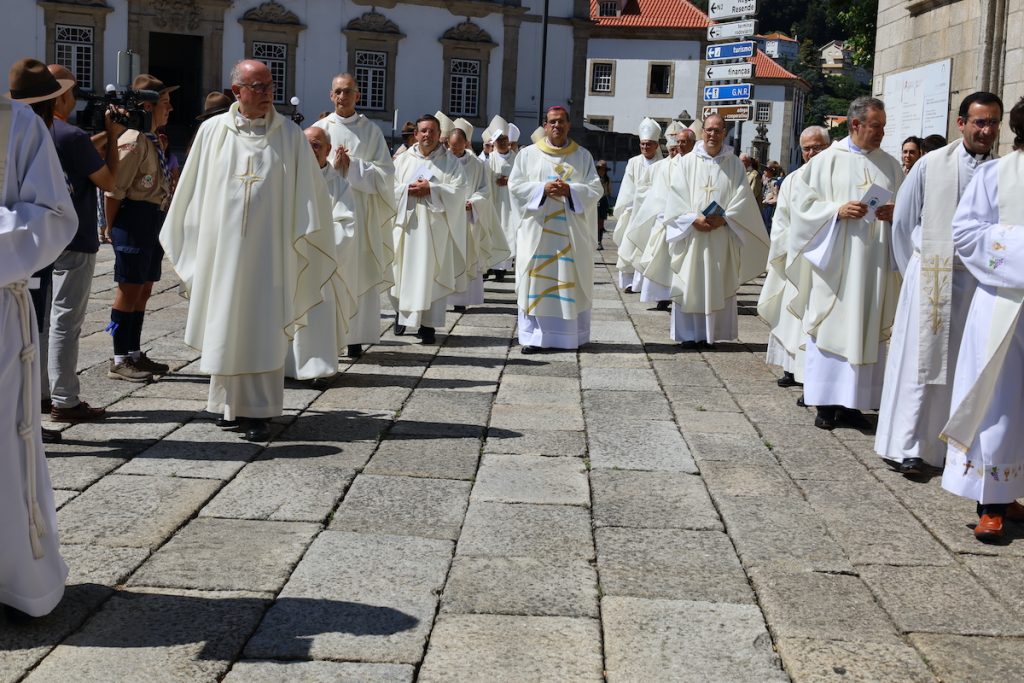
(321, 383)
(459, 309)
(663, 306)
(427, 335)
(355, 350)
(528, 350)
(399, 330)
(852, 417)
(51, 436)
(800, 401)
(706, 345)
(826, 418)
(628, 289)
(788, 379)
(688, 345)
(16, 616)
(226, 424)
(499, 276)
(912, 466)
(257, 429)
(45, 406)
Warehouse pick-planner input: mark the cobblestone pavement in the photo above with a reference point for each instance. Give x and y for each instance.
(463, 512)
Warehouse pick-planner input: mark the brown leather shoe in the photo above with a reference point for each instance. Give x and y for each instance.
(989, 528)
(83, 412)
(1014, 512)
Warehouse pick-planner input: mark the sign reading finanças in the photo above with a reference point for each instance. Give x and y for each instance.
(729, 72)
(730, 9)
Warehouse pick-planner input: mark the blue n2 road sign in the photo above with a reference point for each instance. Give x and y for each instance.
(741, 50)
(715, 93)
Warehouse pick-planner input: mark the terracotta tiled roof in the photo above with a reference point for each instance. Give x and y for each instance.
(766, 67)
(777, 35)
(654, 14)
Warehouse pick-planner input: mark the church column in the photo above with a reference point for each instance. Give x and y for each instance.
(509, 65)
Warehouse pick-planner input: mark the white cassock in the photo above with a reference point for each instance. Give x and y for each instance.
(485, 241)
(555, 244)
(932, 308)
(850, 304)
(985, 461)
(314, 350)
(371, 177)
(645, 226)
(636, 182)
(708, 268)
(249, 233)
(786, 340)
(429, 236)
(501, 167)
(37, 220)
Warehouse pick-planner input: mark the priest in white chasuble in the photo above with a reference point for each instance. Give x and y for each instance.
(249, 233)
(985, 461)
(313, 354)
(555, 188)
(636, 182)
(485, 242)
(849, 305)
(37, 220)
(430, 232)
(500, 162)
(936, 292)
(367, 166)
(716, 237)
(786, 337)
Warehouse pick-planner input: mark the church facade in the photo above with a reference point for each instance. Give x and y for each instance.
(469, 58)
(982, 39)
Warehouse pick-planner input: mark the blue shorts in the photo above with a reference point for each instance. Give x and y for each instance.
(136, 238)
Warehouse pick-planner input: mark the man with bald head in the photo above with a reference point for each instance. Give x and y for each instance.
(785, 342)
(366, 164)
(250, 235)
(716, 238)
(686, 140)
(73, 270)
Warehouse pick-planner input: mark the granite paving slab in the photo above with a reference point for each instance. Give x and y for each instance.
(660, 500)
(319, 672)
(970, 658)
(433, 458)
(605, 407)
(748, 481)
(648, 445)
(403, 506)
(618, 379)
(833, 661)
(537, 417)
(199, 449)
(532, 479)
(282, 491)
(572, 444)
(522, 530)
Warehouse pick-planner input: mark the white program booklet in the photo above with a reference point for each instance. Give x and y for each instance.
(875, 197)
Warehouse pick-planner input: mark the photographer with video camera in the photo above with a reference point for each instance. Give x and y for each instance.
(73, 270)
(135, 213)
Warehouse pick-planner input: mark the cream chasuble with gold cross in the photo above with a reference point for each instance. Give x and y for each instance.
(557, 237)
(249, 233)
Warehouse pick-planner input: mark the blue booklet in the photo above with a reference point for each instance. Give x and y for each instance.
(713, 209)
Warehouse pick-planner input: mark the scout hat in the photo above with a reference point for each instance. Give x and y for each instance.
(216, 103)
(149, 82)
(32, 82)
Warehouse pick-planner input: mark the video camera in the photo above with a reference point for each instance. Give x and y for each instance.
(128, 110)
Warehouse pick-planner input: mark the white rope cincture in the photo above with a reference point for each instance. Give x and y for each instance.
(26, 429)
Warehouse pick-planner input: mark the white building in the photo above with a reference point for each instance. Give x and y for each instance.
(471, 58)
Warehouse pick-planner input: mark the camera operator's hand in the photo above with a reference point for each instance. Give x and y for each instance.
(110, 124)
(105, 234)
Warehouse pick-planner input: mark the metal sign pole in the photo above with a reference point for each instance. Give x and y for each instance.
(725, 94)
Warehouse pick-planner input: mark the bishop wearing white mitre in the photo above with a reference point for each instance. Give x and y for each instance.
(936, 292)
(849, 305)
(367, 166)
(313, 354)
(985, 461)
(786, 336)
(556, 189)
(713, 252)
(500, 162)
(636, 182)
(249, 233)
(37, 220)
(430, 232)
(485, 242)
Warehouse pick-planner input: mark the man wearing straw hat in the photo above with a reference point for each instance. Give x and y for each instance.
(37, 220)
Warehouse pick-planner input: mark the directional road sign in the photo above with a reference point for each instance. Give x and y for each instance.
(733, 29)
(732, 112)
(729, 9)
(718, 93)
(729, 72)
(743, 50)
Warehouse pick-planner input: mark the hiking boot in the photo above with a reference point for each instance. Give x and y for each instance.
(128, 371)
(145, 363)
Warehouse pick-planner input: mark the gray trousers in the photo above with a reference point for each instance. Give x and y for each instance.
(72, 283)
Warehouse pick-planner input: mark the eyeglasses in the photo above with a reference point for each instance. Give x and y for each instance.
(258, 88)
(714, 131)
(812, 148)
(345, 91)
(984, 123)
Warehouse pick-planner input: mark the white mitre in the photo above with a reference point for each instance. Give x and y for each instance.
(698, 128)
(499, 127)
(465, 126)
(447, 125)
(673, 129)
(538, 134)
(649, 130)
(513, 132)
(486, 135)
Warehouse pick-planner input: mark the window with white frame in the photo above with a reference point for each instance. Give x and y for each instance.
(602, 77)
(608, 8)
(763, 113)
(275, 56)
(602, 122)
(74, 49)
(464, 88)
(371, 78)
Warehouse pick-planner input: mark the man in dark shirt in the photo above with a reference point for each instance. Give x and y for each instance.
(73, 270)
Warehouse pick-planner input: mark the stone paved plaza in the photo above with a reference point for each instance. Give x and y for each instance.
(463, 512)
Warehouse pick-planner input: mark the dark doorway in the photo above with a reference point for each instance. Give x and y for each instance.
(178, 60)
